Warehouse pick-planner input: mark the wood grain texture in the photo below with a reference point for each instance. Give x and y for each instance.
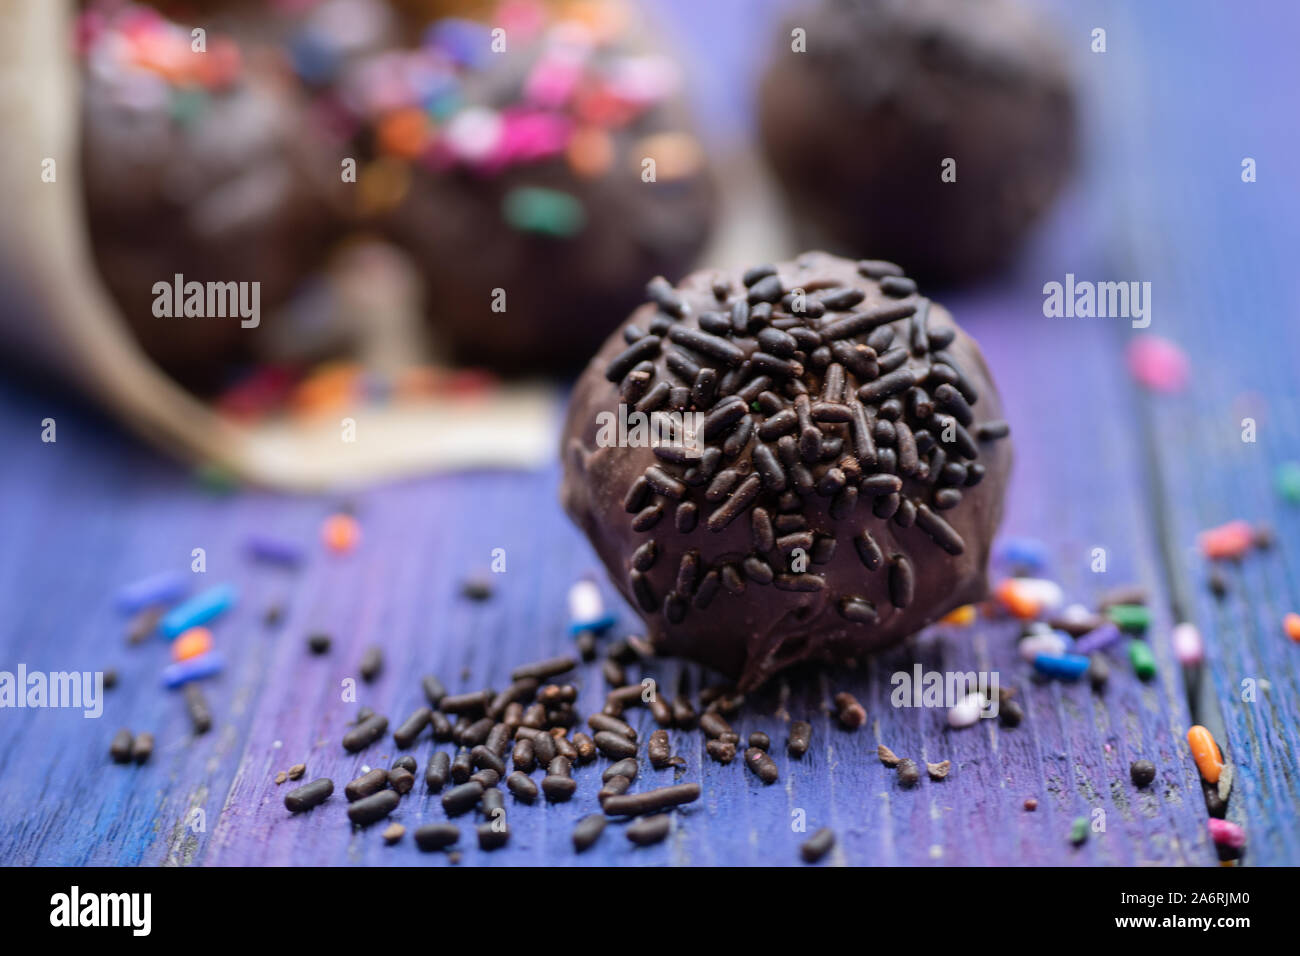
(1099, 464)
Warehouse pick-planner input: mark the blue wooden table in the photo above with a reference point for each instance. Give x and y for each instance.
(1184, 93)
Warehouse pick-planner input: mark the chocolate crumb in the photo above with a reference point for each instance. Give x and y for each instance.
(939, 770)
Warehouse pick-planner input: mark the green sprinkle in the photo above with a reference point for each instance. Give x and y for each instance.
(1079, 831)
(1288, 481)
(545, 211)
(445, 105)
(1134, 618)
(1139, 655)
(188, 104)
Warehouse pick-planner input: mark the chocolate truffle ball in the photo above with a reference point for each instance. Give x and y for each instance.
(192, 164)
(861, 128)
(517, 177)
(829, 471)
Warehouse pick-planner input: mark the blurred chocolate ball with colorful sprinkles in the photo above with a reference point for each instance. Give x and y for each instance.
(536, 165)
(802, 461)
(936, 131)
(197, 164)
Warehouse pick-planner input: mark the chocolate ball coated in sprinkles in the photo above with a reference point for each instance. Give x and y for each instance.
(821, 534)
(939, 131)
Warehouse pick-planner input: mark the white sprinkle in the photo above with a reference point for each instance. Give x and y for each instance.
(585, 603)
(1188, 646)
(1042, 643)
(967, 710)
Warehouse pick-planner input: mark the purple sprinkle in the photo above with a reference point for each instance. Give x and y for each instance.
(196, 668)
(167, 587)
(276, 550)
(1096, 640)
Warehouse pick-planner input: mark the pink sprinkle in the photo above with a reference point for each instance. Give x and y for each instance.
(1227, 834)
(553, 80)
(1158, 364)
(528, 137)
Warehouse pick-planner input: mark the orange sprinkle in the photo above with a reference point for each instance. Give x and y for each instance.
(1292, 625)
(962, 616)
(1017, 600)
(404, 132)
(1230, 540)
(192, 643)
(341, 533)
(1206, 753)
(590, 152)
(329, 387)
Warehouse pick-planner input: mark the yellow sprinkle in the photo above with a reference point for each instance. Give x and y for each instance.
(963, 616)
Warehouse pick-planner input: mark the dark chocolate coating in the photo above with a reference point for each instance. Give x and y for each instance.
(561, 291)
(857, 129)
(768, 627)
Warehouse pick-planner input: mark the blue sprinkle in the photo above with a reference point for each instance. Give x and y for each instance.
(602, 623)
(1029, 553)
(465, 42)
(315, 59)
(196, 668)
(1064, 667)
(164, 588)
(197, 610)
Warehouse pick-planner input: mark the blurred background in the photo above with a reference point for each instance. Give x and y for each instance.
(440, 231)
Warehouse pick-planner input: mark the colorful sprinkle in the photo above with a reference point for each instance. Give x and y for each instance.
(166, 587)
(1189, 647)
(1133, 618)
(967, 711)
(1027, 553)
(587, 608)
(195, 641)
(196, 668)
(341, 533)
(1288, 481)
(1048, 643)
(547, 212)
(1140, 656)
(1158, 364)
(1227, 541)
(1019, 601)
(1291, 624)
(1225, 833)
(1209, 761)
(1098, 639)
(1068, 667)
(963, 616)
(197, 610)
